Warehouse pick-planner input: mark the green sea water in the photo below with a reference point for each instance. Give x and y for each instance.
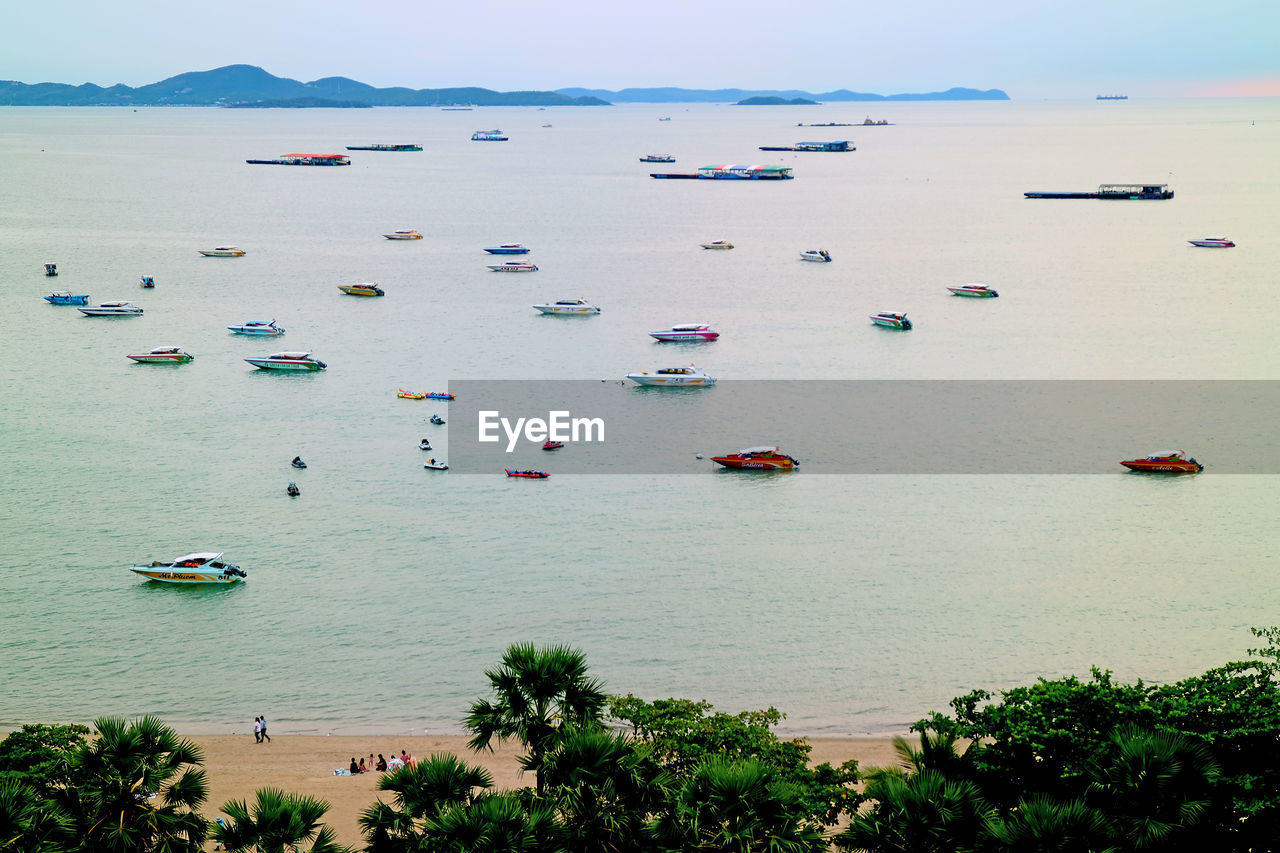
(377, 598)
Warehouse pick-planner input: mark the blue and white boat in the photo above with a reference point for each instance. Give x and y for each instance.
(66, 297)
(488, 136)
(508, 249)
(257, 327)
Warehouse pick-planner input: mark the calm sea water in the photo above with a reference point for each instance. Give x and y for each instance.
(377, 599)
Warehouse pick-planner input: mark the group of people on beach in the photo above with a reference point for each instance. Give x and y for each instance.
(382, 765)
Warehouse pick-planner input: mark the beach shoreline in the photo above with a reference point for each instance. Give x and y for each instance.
(237, 766)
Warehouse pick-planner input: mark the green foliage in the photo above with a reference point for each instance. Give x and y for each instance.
(422, 792)
(278, 822)
(920, 812)
(1042, 824)
(36, 754)
(30, 823)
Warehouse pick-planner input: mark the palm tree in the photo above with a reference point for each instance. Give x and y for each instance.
(1155, 785)
(424, 790)
(737, 807)
(278, 823)
(538, 692)
(136, 787)
(31, 824)
(495, 823)
(937, 751)
(1045, 825)
(923, 812)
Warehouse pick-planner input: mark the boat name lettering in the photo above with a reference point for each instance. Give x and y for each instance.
(558, 426)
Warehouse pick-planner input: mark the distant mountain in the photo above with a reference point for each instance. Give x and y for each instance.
(248, 85)
(671, 95)
(775, 101)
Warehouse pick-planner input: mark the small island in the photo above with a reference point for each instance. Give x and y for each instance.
(775, 101)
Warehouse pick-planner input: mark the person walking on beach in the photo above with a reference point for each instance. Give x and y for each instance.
(265, 736)
(257, 730)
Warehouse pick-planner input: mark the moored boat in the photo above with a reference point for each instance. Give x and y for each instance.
(979, 290)
(163, 355)
(717, 244)
(671, 377)
(50, 269)
(552, 445)
(891, 320)
(367, 288)
(287, 361)
(758, 459)
(306, 160)
(411, 395)
(818, 255)
(572, 307)
(439, 395)
(223, 252)
(834, 145)
(433, 465)
(687, 332)
(383, 146)
(657, 158)
(66, 297)
(200, 567)
(528, 475)
(1165, 462)
(437, 420)
(406, 234)
(488, 136)
(1133, 192)
(1213, 243)
(508, 249)
(514, 266)
(257, 327)
(111, 309)
(147, 282)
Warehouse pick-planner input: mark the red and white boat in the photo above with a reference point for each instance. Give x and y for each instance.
(552, 445)
(528, 475)
(758, 459)
(687, 332)
(1213, 242)
(1165, 462)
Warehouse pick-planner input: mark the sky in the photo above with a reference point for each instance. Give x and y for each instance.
(1032, 49)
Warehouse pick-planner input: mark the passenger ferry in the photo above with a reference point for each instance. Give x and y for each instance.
(306, 160)
(488, 136)
(1136, 192)
(835, 145)
(381, 146)
(731, 172)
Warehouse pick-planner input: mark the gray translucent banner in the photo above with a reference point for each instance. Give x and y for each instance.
(865, 426)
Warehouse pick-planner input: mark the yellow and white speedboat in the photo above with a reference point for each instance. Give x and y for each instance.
(200, 567)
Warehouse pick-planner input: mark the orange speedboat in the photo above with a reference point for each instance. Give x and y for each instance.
(758, 459)
(1165, 462)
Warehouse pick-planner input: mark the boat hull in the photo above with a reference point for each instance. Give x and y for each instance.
(507, 250)
(513, 267)
(110, 312)
(672, 381)
(170, 576)
(890, 323)
(972, 292)
(717, 245)
(1149, 467)
(1212, 244)
(571, 310)
(67, 300)
(685, 337)
(361, 291)
(286, 364)
(414, 236)
(529, 475)
(256, 330)
(754, 464)
(214, 253)
(180, 358)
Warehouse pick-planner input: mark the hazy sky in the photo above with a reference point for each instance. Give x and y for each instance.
(1029, 48)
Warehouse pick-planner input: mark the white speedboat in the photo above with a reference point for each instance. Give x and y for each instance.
(718, 244)
(979, 290)
(223, 252)
(257, 327)
(575, 307)
(819, 255)
(671, 377)
(288, 361)
(407, 234)
(200, 567)
(657, 158)
(891, 320)
(111, 309)
(1213, 243)
(514, 266)
(687, 332)
(433, 465)
(163, 355)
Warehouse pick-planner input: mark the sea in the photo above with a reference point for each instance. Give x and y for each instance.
(378, 598)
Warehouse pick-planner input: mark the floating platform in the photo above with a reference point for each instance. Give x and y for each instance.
(837, 145)
(1134, 192)
(306, 160)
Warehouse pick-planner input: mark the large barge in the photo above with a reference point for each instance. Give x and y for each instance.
(1142, 192)
(306, 160)
(836, 145)
(728, 172)
(382, 146)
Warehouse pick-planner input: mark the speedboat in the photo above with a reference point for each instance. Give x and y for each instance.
(257, 327)
(758, 459)
(147, 282)
(980, 290)
(163, 355)
(367, 288)
(433, 465)
(508, 249)
(657, 158)
(223, 252)
(411, 395)
(578, 307)
(687, 332)
(297, 462)
(425, 444)
(437, 420)
(552, 445)
(111, 309)
(407, 234)
(1165, 462)
(292, 490)
(891, 320)
(818, 255)
(673, 376)
(718, 244)
(514, 266)
(1213, 242)
(528, 475)
(288, 361)
(66, 297)
(201, 567)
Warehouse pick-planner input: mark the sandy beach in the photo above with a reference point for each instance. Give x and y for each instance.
(304, 764)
